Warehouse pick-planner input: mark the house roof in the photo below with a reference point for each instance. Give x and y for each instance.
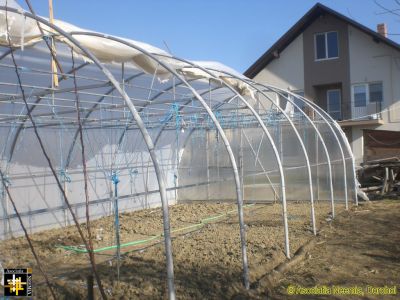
(316, 11)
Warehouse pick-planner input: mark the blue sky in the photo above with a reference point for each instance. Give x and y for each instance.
(233, 32)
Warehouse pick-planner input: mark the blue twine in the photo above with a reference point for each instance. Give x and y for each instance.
(114, 178)
(65, 176)
(133, 172)
(7, 180)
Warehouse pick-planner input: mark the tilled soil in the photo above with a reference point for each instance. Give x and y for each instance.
(359, 249)
(207, 259)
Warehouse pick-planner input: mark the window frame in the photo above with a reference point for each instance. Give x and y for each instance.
(353, 95)
(325, 34)
(367, 91)
(340, 103)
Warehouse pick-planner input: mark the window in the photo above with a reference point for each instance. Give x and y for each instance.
(375, 92)
(360, 95)
(334, 104)
(367, 93)
(326, 45)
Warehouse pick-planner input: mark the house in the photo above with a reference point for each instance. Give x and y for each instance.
(348, 69)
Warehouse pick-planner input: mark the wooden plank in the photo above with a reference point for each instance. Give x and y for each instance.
(53, 48)
(385, 182)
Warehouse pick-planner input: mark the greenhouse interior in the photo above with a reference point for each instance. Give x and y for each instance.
(96, 126)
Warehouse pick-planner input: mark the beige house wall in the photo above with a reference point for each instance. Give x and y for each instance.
(373, 62)
(321, 75)
(286, 71)
(361, 60)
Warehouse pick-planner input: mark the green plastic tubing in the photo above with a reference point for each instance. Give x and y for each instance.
(202, 223)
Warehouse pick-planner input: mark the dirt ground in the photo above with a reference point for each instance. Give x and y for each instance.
(358, 247)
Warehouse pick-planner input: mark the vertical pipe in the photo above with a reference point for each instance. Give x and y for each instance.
(6, 221)
(208, 163)
(241, 162)
(66, 223)
(146, 187)
(317, 164)
(115, 181)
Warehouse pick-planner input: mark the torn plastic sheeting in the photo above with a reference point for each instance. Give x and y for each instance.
(219, 71)
(24, 31)
(20, 29)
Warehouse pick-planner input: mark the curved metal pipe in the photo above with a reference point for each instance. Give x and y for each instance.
(213, 118)
(143, 130)
(321, 113)
(301, 144)
(275, 150)
(323, 145)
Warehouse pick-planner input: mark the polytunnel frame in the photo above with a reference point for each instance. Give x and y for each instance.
(252, 84)
(259, 120)
(280, 92)
(340, 131)
(318, 110)
(271, 140)
(325, 116)
(329, 162)
(142, 128)
(266, 131)
(113, 81)
(305, 101)
(207, 70)
(299, 139)
(217, 125)
(88, 246)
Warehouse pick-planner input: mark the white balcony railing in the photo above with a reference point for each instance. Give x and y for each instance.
(371, 111)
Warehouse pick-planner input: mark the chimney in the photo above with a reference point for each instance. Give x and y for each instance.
(382, 29)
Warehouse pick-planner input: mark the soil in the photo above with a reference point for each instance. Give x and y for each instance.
(359, 249)
(207, 259)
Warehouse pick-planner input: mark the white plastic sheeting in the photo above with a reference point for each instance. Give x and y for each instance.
(25, 32)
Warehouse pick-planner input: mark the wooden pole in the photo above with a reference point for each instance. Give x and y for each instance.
(53, 48)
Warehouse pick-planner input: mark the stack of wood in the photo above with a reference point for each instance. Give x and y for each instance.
(380, 177)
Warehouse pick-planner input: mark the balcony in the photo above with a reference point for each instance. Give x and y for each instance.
(354, 114)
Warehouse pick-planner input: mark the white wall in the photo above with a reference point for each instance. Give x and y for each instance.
(357, 144)
(287, 71)
(371, 61)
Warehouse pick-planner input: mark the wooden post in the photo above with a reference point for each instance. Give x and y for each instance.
(53, 48)
(385, 181)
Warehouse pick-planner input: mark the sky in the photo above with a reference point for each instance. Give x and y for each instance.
(233, 32)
